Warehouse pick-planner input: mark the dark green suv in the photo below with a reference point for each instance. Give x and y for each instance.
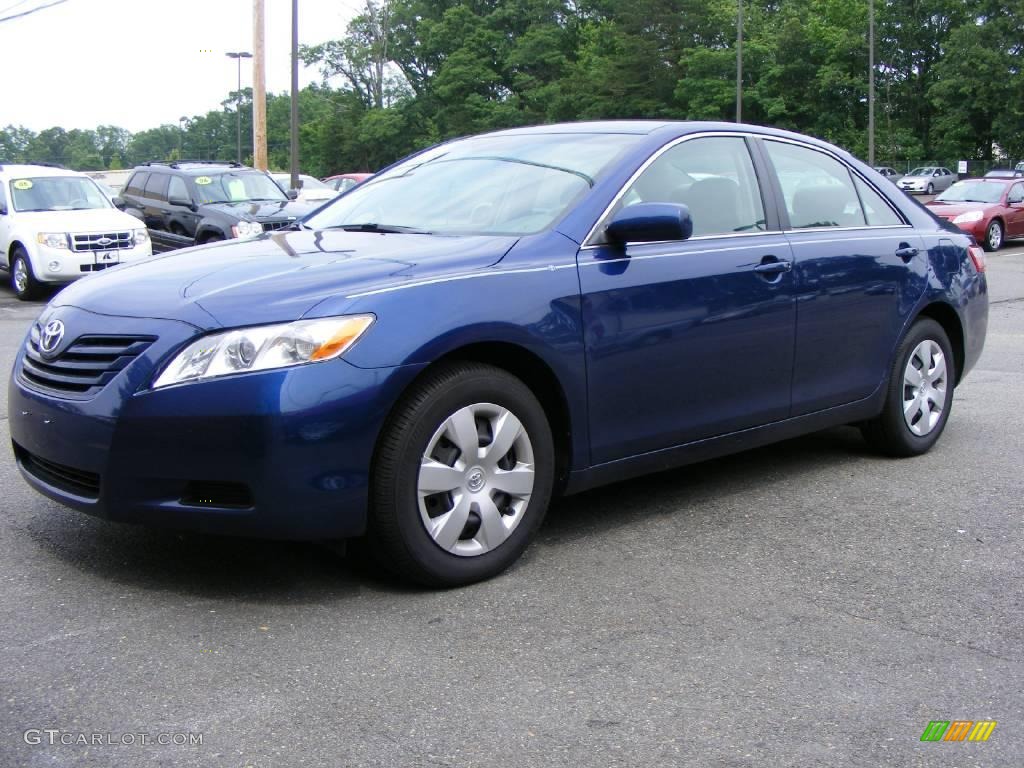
(192, 202)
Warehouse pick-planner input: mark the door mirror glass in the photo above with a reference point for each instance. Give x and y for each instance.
(118, 202)
(293, 194)
(650, 223)
(180, 201)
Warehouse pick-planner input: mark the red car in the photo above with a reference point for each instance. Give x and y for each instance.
(991, 209)
(343, 182)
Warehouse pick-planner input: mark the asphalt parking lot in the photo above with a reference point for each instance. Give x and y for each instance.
(807, 604)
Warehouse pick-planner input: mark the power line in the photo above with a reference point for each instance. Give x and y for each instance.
(30, 10)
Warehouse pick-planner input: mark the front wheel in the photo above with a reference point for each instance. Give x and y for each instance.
(462, 476)
(993, 236)
(919, 395)
(23, 279)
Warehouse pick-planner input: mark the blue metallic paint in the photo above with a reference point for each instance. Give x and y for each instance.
(665, 353)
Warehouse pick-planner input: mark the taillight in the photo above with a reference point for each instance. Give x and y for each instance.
(977, 256)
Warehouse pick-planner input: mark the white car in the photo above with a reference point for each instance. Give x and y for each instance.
(929, 180)
(57, 226)
(310, 190)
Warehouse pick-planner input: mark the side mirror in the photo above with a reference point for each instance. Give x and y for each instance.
(293, 194)
(182, 202)
(118, 202)
(650, 223)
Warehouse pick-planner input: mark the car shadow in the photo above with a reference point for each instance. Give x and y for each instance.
(216, 567)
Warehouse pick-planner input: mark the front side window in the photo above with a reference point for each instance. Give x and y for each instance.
(496, 185)
(57, 193)
(237, 187)
(1016, 194)
(177, 191)
(817, 188)
(713, 177)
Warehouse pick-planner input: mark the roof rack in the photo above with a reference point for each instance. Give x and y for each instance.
(179, 163)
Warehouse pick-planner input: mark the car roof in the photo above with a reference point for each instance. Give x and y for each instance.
(36, 170)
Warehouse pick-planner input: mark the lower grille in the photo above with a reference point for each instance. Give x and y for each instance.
(76, 481)
(85, 367)
(271, 226)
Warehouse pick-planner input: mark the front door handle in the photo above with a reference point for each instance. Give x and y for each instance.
(906, 251)
(773, 267)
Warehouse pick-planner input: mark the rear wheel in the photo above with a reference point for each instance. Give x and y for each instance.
(23, 279)
(211, 238)
(931, 188)
(993, 236)
(919, 395)
(462, 477)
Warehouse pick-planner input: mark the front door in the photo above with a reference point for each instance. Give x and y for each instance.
(690, 339)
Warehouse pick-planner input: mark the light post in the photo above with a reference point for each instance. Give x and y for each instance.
(739, 61)
(238, 56)
(181, 136)
(871, 82)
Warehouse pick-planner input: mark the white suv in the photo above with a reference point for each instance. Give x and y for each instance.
(57, 226)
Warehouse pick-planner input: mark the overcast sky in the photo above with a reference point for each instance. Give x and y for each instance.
(140, 63)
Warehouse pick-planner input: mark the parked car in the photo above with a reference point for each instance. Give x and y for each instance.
(194, 202)
(343, 182)
(1004, 173)
(434, 356)
(928, 180)
(114, 180)
(57, 226)
(992, 210)
(890, 173)
(311, 191)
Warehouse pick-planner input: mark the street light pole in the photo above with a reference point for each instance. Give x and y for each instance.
(871, 82)
(181, 136)
(293, 160)
(739, 61)
(238, 56)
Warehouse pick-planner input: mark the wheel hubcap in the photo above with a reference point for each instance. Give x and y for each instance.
(475, 479)
(20, 276)
(995, 236)
(924, 388)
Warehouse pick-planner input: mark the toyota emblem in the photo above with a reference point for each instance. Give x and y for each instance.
(52, 335)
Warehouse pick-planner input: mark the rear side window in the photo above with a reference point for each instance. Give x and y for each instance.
(878, 212)
(817, 188)
(713, 177)
(137, 183)
(156, 186)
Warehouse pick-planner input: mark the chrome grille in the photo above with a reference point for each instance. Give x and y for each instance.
(101, 241)
(84, 367)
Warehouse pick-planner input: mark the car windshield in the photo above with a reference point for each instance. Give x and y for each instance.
(237, 187)
(509, 185)
(921, 172)
(57, 193)
(972, 192)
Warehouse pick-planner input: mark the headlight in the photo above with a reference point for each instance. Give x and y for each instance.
(140, 236)
(52, 239)
(264, 347)
(246, 229)
(969, 217)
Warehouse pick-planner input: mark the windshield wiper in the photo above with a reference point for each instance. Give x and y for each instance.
(382, 228)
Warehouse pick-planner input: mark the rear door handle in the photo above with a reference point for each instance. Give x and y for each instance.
(906, 252)
(773, 267)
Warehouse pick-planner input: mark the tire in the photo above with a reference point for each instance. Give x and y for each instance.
(212, 238)
(893, 434)
(410, 489)
(993, 236)
(931, 189)
(23, 280)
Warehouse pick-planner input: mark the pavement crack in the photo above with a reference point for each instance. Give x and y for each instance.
(1008, 301)
(911, 630)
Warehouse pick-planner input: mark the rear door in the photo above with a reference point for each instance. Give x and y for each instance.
(689, 339)
(859, 268)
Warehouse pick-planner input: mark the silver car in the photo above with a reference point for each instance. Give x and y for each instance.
(927, 180)
(890, 173)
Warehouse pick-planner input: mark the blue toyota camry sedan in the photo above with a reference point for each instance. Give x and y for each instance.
(430, 359)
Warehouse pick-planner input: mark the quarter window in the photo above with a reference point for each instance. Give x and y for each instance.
(156, 187)
(878, 212)
(714, 177)
(818, 189)
(137, 183)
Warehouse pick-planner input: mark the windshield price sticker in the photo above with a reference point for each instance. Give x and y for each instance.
(203, 180)
(23, 184)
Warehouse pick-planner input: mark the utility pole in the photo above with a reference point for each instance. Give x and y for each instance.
(295, 96)
(739, 61)
(259, 89)
(238, 56)
(871, 82)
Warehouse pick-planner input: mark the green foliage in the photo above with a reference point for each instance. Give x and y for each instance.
(410, 73)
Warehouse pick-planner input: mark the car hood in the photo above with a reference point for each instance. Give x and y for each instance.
(916, 178)
(276, 277)
(256, 210)
(950, 210)
(92, 220)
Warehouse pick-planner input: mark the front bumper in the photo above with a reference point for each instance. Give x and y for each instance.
(279, 454)
(61, 265)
